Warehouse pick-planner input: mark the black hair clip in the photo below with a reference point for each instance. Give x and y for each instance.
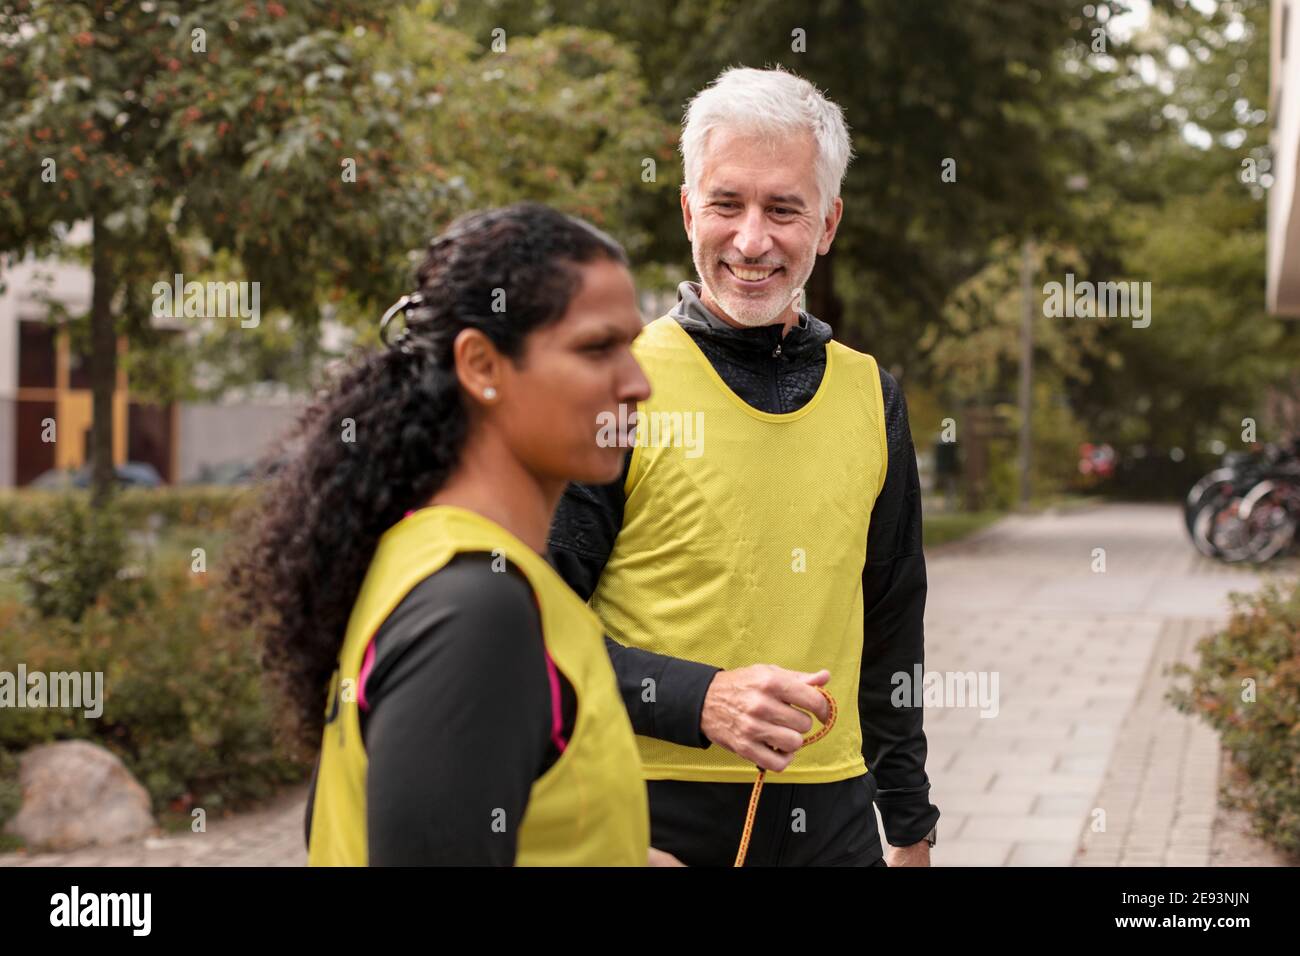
(402, 305)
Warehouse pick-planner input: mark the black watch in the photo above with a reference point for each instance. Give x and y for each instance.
(932, 837)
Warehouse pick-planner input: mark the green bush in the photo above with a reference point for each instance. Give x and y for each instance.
(26, 512)
(1246, 685)
(76, 556)
(1057, 435)
(186, 703)
(10, 797)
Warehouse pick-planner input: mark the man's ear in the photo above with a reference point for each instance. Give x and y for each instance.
(830, 225)
(688, 221)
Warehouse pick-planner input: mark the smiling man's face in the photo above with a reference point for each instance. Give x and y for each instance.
(755, 225)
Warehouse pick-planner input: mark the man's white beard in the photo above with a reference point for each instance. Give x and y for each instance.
(756, 312)
(751, 313)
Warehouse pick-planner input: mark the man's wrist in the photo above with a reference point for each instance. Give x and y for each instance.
(689, 685)
(909, 817)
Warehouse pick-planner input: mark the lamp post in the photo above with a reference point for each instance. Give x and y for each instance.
(1026, 368)
(1075, 183)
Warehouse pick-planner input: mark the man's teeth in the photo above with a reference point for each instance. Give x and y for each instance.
(750, 275)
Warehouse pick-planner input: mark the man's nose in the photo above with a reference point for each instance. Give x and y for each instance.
(752, 237)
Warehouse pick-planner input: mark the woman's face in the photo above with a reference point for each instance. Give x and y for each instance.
(560, 404)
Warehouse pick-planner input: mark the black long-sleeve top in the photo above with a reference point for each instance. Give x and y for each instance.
(779, 375)
(458, 719)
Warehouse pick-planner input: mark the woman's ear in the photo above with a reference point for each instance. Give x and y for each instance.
(478, 364)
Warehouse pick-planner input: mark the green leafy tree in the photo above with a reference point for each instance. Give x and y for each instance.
(1174, 142)
(309, 148)
(967, 80)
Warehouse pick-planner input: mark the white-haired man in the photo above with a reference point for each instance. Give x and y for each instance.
(766, 536)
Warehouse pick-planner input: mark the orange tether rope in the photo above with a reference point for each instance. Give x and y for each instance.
(758, 781)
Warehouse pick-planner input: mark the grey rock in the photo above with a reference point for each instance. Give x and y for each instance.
(78, 794)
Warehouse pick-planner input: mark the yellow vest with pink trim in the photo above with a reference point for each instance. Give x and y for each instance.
(589, 808)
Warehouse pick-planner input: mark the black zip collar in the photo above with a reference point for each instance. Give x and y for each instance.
(807, 337)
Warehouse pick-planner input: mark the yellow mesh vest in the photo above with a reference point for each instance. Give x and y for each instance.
(590, 807)
(744, 538)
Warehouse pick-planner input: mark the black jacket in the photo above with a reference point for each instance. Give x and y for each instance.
(779, 375)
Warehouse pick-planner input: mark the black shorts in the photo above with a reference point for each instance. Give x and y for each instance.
(797, 824)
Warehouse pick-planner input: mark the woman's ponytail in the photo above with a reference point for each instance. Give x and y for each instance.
(389, 432)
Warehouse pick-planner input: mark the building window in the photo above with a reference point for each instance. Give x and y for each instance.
(36, 355)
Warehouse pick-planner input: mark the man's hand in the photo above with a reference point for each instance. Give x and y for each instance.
(918, 854)
(751, 711)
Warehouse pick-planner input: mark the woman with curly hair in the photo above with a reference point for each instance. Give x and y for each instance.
(465, 705)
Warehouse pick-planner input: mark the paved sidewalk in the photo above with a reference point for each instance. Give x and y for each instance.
(1157, 803)
(271, 836)
(1083, 737)
(1081, 724)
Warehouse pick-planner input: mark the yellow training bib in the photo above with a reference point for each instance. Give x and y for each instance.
(589, 808)
(744, 539)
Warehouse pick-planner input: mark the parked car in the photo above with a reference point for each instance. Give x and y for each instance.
(132, 474)
(238, 472)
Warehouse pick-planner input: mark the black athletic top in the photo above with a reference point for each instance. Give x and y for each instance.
(459, 718)
(780, 374)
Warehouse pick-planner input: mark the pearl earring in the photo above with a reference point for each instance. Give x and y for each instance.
(489, 393)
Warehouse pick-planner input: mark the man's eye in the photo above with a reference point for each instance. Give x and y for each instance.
(782, 211)
(599, 346)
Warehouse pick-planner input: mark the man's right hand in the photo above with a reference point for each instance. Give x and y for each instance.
(751, 711)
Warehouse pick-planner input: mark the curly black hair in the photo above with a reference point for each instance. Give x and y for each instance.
(306, 548)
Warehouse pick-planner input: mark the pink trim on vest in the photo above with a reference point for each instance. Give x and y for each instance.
(367, 664)
(557, 717)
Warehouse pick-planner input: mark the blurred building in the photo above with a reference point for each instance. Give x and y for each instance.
(45, 381)
(1283, 198)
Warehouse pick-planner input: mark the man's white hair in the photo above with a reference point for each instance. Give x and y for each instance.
(773, 103)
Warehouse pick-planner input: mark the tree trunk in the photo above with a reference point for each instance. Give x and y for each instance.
(103, 368)
(820, 293)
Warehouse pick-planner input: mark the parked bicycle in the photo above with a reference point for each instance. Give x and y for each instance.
(1248, 509)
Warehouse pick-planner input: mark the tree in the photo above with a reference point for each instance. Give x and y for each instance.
(1174, 141)
(969, 80)
(110, 115)
(314, 149)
